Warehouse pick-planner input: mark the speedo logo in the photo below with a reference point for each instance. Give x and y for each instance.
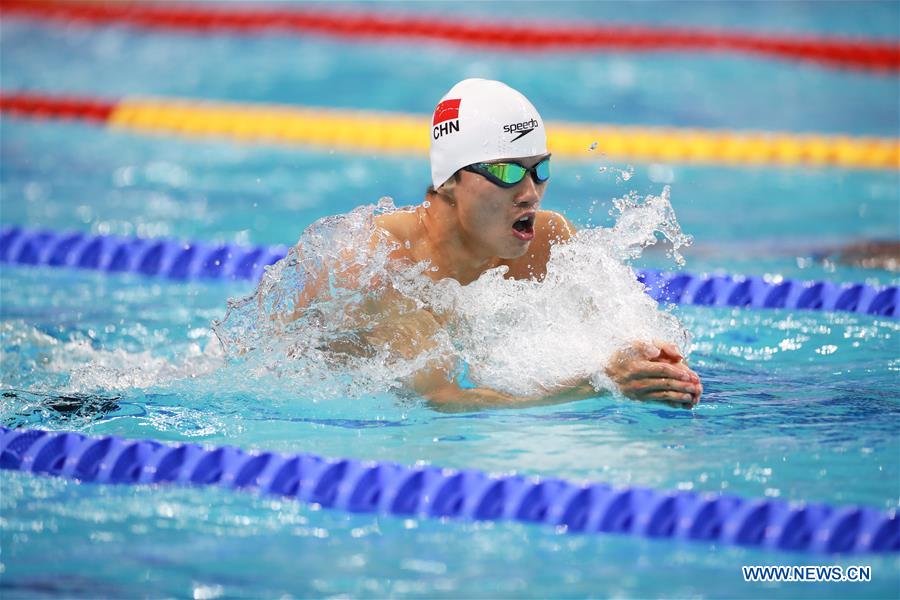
(522, 129)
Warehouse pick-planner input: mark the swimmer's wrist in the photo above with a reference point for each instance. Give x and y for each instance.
(603, 383)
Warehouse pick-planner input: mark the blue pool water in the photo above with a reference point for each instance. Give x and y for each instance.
(799, 405)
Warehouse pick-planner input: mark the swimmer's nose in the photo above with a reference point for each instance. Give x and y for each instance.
(527, 193)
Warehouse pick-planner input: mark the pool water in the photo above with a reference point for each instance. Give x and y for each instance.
(800, 406)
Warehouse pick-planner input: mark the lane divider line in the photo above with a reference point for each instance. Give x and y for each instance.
(367, 25)
(184, 261)
(432, 492)
(371, 131)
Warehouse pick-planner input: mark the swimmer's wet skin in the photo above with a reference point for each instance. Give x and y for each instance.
(490, 168)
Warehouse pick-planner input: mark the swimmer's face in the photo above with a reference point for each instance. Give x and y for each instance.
(500, 220)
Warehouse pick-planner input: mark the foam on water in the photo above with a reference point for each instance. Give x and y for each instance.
(80, 367)
(522, 337)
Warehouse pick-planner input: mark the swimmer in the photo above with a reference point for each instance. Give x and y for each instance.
(490, 169)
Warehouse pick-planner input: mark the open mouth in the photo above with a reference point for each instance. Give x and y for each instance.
(523, 228)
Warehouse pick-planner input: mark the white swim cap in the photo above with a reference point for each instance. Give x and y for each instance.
(480, 120)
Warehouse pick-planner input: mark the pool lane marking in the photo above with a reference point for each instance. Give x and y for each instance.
(368, 131)
(429, 491)
(195, 260)
(518, 35)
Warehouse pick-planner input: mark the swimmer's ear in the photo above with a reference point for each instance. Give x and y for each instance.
(445, 191)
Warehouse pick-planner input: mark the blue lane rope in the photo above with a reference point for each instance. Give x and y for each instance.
(161, 257)
(428, 491)
(197, 260)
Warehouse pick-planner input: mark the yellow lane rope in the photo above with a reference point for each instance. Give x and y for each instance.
(364, 131)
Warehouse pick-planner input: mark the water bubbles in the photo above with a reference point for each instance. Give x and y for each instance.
(639, 222)
(621, 174)
(385, 205)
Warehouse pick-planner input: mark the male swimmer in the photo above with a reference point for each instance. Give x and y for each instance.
(490, 168)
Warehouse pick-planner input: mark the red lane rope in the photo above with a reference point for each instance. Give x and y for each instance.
(864, 54)
(59, 107)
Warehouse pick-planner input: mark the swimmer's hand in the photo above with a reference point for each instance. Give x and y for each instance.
(655, 371)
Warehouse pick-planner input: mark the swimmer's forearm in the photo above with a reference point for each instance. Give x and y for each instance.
(452, 397)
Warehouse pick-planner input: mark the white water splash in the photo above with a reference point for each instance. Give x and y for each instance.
(638, 220)
(76, 366)
(517, 336)
(622, 175)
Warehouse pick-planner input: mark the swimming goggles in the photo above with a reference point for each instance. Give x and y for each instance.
(509, 173)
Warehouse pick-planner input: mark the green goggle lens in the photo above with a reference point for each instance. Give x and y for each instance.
(506, 172)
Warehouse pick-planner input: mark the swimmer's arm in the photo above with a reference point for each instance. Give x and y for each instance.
(445, 394)
(416, 332)
(645, 372)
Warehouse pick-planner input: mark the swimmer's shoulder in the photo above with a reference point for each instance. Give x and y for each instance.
(552, 227)
(397, 227)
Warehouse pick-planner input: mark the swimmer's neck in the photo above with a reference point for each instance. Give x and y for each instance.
(453, 255)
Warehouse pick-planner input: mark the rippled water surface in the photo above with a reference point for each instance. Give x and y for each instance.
(800, 406)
